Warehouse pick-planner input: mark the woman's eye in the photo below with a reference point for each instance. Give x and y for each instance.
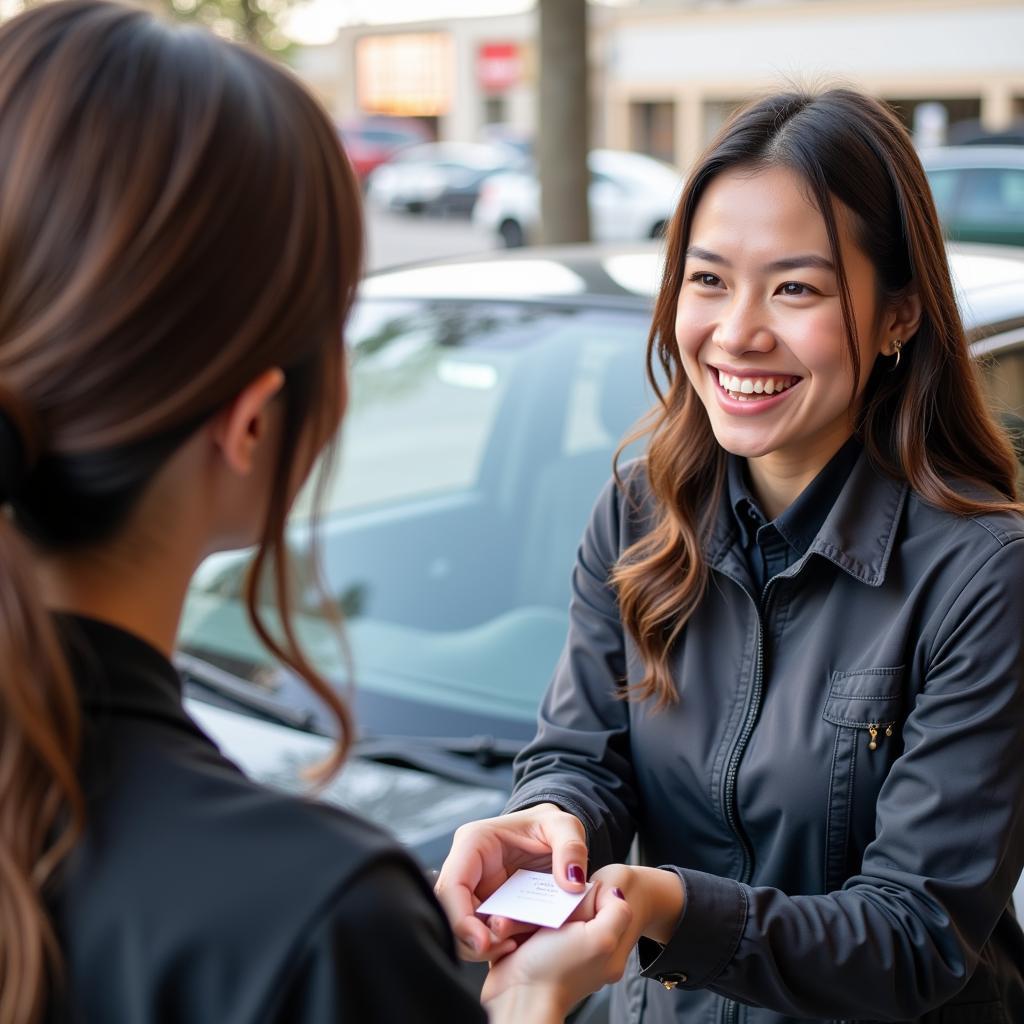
(795, 288)
(706, 279)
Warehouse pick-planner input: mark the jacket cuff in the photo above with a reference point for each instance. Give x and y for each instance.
(705, 940)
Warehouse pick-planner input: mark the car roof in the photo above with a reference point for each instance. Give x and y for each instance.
(989, 279)
(627, 275)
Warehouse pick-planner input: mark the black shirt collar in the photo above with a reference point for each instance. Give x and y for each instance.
(799, 524)
(118, 672)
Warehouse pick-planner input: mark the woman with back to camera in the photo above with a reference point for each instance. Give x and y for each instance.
(180, 241)
(794, 665)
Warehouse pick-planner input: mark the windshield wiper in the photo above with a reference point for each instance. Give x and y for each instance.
(486, 751)
(241, 691)
(463, 758)
(473, 760)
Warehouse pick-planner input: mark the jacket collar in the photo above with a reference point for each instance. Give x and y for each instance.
(119, 673)
(857, 535)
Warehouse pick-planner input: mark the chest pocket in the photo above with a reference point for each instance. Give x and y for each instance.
(866, 708)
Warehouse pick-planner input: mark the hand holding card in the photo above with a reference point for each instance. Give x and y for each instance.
(535, 898)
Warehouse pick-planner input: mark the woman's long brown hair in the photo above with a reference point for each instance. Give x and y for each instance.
(176, 217)
(847, 147)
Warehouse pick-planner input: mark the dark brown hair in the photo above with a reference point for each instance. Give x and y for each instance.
(849, 148)
(176, 218)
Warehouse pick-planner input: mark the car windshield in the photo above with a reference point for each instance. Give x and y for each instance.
(477, 438)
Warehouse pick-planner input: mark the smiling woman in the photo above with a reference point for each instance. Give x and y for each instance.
(760, 335)
(793, 673)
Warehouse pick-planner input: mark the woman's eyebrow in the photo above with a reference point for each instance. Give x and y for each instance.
(798, 262)
(811, 260)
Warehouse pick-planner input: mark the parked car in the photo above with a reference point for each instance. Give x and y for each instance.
(631, 197)
(973, 132)
(979, 192)
(439, 177)
(487, 398)
(369, 141)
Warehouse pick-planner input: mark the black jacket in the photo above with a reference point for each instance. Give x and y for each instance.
(826, 878)
(198, 896)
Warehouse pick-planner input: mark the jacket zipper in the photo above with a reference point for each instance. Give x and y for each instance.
(731, 1008)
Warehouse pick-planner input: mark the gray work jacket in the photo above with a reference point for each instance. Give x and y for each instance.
(840, 786)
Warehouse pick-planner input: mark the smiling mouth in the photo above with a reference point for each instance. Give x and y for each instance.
(754, 389)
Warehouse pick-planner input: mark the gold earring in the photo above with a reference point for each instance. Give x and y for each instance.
(897, 346)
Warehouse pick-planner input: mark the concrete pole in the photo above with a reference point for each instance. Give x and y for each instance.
(563, 122)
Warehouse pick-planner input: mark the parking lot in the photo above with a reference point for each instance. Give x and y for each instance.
(394, 238)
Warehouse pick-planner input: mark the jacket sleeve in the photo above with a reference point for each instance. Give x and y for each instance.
(380, 951)
(580, 757)
(904, 935)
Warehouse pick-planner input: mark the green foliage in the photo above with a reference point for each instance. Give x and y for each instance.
(252, 21)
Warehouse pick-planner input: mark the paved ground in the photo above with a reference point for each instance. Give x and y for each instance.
(395, 238)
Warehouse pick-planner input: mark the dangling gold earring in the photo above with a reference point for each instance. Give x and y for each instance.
(897, 347)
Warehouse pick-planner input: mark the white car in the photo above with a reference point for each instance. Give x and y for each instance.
(632, 197)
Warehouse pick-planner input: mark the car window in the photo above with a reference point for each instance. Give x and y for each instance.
(478, 438)
(943, 184)
(427, 383)
(993, 196)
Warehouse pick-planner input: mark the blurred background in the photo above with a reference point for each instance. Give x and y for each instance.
(440, 102)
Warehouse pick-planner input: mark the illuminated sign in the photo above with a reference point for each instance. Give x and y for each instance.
(499, 66)
(405, 74)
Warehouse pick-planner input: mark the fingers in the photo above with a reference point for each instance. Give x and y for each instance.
(606, 931)
(456, 886)
(567, 839)
(473, 940)
(505, 928)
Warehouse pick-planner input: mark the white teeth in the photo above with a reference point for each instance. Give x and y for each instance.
(740, 387)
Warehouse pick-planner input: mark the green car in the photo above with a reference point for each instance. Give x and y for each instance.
(979, 192)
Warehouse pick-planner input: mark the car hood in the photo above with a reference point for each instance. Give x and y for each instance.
(416, 807)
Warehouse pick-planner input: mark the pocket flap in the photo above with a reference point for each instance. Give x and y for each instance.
(864, 697)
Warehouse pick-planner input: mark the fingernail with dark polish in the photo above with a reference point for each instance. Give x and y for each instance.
(575, 873)
(618, 892)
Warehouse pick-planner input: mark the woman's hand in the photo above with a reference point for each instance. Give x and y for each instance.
(655, 896)
(486, 853)
(555, 968)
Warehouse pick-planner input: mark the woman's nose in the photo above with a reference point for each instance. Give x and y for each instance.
(742, 329)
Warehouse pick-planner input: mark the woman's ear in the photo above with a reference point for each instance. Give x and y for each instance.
(903, 320)
(242, 425)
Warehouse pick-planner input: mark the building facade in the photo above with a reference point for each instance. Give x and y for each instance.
(665, 75)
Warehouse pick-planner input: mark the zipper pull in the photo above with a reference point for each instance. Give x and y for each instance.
(888, 730)
(873, 733)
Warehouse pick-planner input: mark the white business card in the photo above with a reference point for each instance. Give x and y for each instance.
(534, 897)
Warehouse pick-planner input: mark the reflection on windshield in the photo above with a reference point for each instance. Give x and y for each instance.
(477, 439)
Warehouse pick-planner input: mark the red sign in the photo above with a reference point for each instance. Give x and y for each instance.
(499, 66)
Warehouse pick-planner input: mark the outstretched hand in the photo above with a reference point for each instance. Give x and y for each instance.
(562, 965)
(485, 854)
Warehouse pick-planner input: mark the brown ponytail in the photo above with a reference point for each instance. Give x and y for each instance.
(41, 805)
(176, 217)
